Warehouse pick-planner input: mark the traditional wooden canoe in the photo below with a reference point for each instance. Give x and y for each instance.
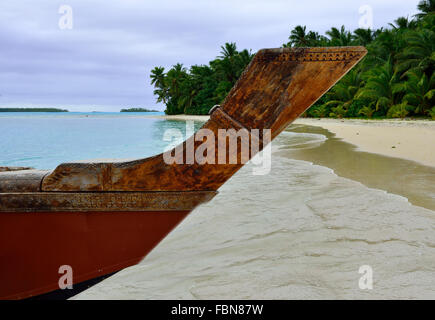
(100, 217)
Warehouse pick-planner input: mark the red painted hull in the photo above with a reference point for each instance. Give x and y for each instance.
(34, 245)
(100, 217)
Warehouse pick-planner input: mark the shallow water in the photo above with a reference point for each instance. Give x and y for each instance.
(412, 180)
(301, 232)
(44, 140)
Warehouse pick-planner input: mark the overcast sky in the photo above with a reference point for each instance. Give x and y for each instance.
(103, 63)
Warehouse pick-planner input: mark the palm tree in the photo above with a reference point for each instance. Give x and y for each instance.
(298, 36)
(316, 40)
(176, 76)
(420, 92)
(231, 62)
(382, 87)
(419, 52)
(387, 45)
(363, 36)
(426, 7)
(343, 93)
(174, 80)
(339, 37)
(403, 23)
(229, 50)
(186, 100)
(157, 76)
(158, 80)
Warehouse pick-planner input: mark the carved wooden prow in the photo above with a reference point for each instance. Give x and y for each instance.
(101, 217)
(276, 87)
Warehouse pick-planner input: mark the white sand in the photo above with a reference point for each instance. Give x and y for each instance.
(300, 232)
(407, 139)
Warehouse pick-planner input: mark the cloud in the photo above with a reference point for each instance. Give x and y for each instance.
(103, 63)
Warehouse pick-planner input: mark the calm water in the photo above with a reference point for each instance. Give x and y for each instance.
(43, 140)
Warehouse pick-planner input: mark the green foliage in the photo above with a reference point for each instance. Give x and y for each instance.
(382, 88)
(425, 7)
(196, 90)
(366, 111)
(396, 78)
(398, 111)
(138, 110)
(419, 92)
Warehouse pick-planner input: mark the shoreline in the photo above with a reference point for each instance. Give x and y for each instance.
(316, 229)
(405, 139)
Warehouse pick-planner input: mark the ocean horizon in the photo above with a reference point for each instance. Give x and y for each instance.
(43, 140)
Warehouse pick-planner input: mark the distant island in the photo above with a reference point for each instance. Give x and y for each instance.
(138, 110)
(32, 110)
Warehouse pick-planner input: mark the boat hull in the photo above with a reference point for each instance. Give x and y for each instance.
(33, 246)
(101, 216)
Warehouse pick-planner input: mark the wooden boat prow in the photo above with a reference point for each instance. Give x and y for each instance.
(99, 217)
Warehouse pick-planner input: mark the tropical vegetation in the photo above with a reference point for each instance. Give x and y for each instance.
(395, 80)
(138, 110)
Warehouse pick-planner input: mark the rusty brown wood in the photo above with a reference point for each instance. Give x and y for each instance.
(276, 87)
(21, 180)
(4, 169)
(102, 201)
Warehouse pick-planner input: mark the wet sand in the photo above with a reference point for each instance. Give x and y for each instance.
(407, 139)
(406, 178)
(300, 232)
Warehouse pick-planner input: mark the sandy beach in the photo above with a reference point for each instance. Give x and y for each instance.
(408, 139)
(300, 232)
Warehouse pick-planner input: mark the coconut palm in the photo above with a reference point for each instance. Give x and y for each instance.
(175, 79)
(298, 37)
(382, 87)
(400, 110)
(426, 7)
(394, 79)
(387, 45)
(363, 36)
(157, 76)
(420, 92)
(402, 23)
(229, 50)
(419, 52)
(343, 93)
(158, 80)
(339, 37)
